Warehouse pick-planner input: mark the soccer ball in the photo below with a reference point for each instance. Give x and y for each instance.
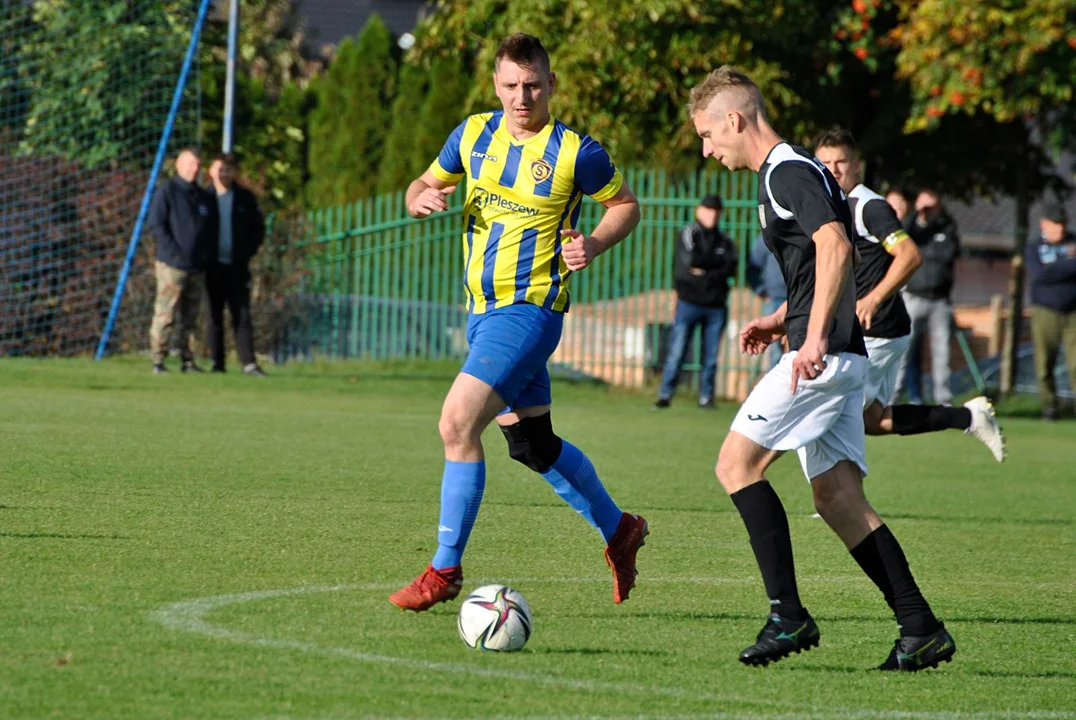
(495, 617)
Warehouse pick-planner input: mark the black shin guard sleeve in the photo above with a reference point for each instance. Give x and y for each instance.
(915, 419)
(767, 526)
(881, 557)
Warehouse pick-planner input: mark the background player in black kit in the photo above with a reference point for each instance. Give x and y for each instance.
(888, 263)
(813, 399)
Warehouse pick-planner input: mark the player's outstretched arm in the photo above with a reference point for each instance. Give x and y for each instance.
(621, 216)
(427, 194)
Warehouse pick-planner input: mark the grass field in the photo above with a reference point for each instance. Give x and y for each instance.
(218, 547)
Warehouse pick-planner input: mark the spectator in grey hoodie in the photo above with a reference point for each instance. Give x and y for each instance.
(928, 295)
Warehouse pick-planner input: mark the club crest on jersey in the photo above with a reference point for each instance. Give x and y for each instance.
(541, 171)
(762, 216)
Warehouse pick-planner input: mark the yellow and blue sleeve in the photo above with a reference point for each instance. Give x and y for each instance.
(448, 167)
(595, 173)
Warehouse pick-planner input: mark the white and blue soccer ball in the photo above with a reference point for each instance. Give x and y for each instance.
(495, 617)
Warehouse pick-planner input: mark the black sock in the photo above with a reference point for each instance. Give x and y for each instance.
(915, 419)
(767, 526)
(881, 557)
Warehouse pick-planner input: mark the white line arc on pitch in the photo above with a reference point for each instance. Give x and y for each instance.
(189, 616)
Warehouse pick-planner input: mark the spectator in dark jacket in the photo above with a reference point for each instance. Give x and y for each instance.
(183, 221)
(1051, 267)
(242, 229)
(928, 295)
(765, 277)
(705, 260)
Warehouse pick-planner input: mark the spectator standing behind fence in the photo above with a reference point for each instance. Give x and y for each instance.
(764, 275)
(705, 260)
(183, 221)
(928, 296)
(242, 229)
(1051, 267)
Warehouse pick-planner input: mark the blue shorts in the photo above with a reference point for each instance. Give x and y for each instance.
(509, 348)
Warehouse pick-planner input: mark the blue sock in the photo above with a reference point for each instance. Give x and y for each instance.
(461, 494)
(588, 496)
(567, 493)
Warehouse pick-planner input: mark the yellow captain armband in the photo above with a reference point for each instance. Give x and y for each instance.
(893, 239)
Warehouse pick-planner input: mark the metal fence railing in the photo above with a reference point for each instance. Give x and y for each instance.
(381, 285)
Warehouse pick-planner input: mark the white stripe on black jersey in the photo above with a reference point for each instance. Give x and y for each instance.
(797, 195)
(877, 229)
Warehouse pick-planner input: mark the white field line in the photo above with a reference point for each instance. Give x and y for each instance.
(189, 616)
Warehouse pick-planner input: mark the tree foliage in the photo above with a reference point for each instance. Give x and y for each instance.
(350, 122)
(907, 140)
(271, 100)
(1010, 60)
(624, 68)
(420, 129)
(397, 166)
(90, 74)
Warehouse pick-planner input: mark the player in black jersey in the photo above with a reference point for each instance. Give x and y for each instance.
(888, 263)
(813, 399)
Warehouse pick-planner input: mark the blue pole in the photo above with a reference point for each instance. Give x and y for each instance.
(229, 81)
(162, 149)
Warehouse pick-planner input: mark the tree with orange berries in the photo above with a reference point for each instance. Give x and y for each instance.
(1012, 61)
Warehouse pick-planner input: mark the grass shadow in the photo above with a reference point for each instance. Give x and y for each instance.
(693, 615)
(978, 519)
(60, 536)
(599, 651)
(945, 669)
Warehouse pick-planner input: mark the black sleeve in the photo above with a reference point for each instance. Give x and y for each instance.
(157, 220)
(800, 188)
(732, 259)
(682, 257)
(881, 220)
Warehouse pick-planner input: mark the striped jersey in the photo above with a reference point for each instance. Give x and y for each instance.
(520, 195)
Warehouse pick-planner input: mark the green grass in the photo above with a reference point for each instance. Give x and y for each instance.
(123, 496)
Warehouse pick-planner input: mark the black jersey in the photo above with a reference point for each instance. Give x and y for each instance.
(877, 229)
(797, 195)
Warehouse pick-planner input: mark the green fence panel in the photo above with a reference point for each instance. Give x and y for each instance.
(382, 285)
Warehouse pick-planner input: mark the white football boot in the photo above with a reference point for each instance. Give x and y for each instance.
(985, 426)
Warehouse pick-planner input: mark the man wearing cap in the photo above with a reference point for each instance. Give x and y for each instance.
(705, 260)
(1051, 267)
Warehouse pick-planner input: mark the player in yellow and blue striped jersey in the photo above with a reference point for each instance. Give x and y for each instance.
(526, 176)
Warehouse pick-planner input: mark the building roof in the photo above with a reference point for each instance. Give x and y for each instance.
(327, 22)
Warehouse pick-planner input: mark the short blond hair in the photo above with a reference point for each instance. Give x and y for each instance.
(737, 90)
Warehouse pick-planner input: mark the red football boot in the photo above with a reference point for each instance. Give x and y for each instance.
(429, 588)
(630, 535)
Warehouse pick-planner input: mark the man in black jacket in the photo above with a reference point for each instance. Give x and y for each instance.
(183, 221)
(242, 230)
(705, 260)
(1051, 267)
(927, 295)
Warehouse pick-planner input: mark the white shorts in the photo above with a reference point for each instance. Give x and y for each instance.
(883, 368)
(823, 420)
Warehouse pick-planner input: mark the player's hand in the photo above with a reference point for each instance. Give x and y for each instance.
(865, 309)
(577, 249)
(759, 334)
(809, 361)
(429, 201)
